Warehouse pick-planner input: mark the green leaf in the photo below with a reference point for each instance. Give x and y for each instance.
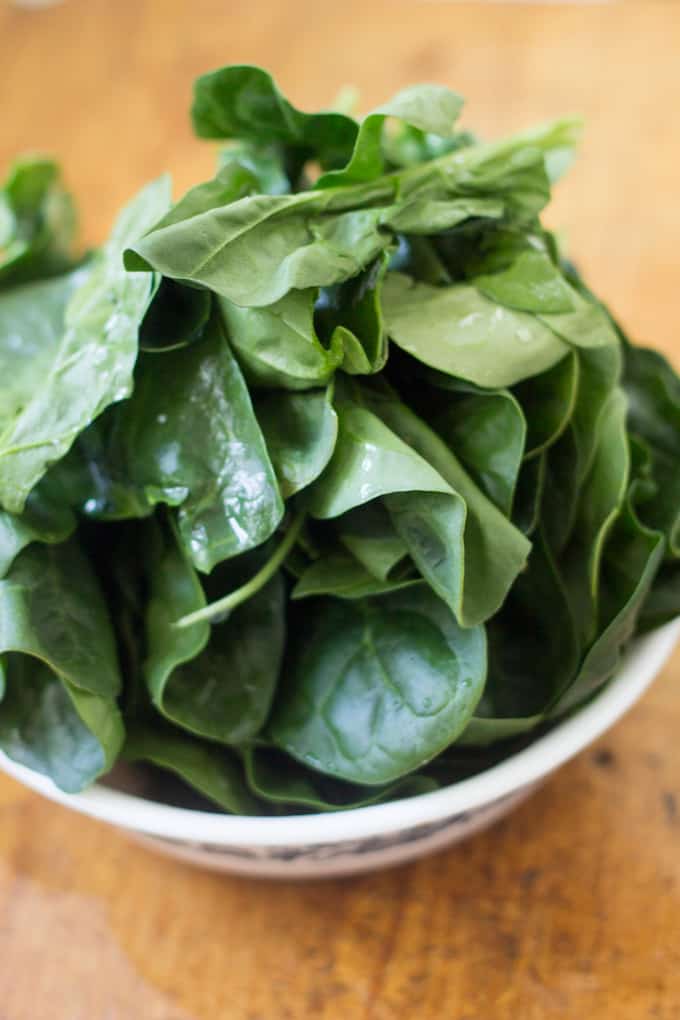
(277, 346)
(369, 460)
(215, 681)
(264, 161)
(31, 327)
(533, 653)
(530, 494)
(243, 102)
(175, 318)
(430, 108)
(377, 689)
(548, 401)
(214, 771)
(469, 558)
(631, 559)
(256, 249)
(279, 779)
(93, 365)
(45, 519)
(59, 713)
(188, 437)
(352, 316)
(369, 535)
(487, 431)
(662, 602)
(515, 269)
(459, 331)
(37, 222)
(341, 575)
(300, 430)
(653, 391)
(600, 501)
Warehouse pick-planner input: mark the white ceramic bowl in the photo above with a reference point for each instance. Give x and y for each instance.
(361, 839)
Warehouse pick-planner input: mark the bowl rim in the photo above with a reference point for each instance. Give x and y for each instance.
(639, 667)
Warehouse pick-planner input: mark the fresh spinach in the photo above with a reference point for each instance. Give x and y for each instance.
(332, 482)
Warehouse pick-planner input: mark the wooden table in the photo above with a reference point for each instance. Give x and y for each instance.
(569, 908)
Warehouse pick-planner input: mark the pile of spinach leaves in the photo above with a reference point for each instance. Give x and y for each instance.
(329, 482)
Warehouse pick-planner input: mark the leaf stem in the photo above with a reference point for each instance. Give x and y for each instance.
(242, 594)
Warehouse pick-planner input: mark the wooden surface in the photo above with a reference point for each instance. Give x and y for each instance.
(569, 908)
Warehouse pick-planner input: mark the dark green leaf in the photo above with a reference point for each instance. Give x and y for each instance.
(216, 681)
(214, 771)
(378, 689)
(279, 779)
(189, 438)
(37, 222)
(93, 365)
(59, 713)
(300, 430)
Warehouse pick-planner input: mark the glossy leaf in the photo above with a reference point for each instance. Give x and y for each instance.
(189, 438)
(459, 331)
(472, 564)
(369, 535)
(379, 688)
(93, 365)
(243, 102)
(45, 519)
(278, 346)
(58, 714)
(215, 681)
(300, 430)
(487, 432)
(31, 327)
(177, 316)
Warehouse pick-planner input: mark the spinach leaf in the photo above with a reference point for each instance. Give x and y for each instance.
(369, 535)
(653, 391)
(430, 108)
(601, 499)
(631, 558)
(59, 713)
(254, 250)
(93, 364)
(533, 653)
(31, 326)
(277, 346)
(242, 102)
(45, 519)
(377, 689)
(341, 575)
(351, 314)
(188, 437)
(217, 682)
(472, 565)
(279, 779)
(300, 430)
(37, 222)
(176, 316)
(548, 401)
(214, 771)
(662, 602)
(459, 331)
(486, 429)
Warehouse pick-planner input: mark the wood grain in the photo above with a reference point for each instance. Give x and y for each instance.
(569, 908)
